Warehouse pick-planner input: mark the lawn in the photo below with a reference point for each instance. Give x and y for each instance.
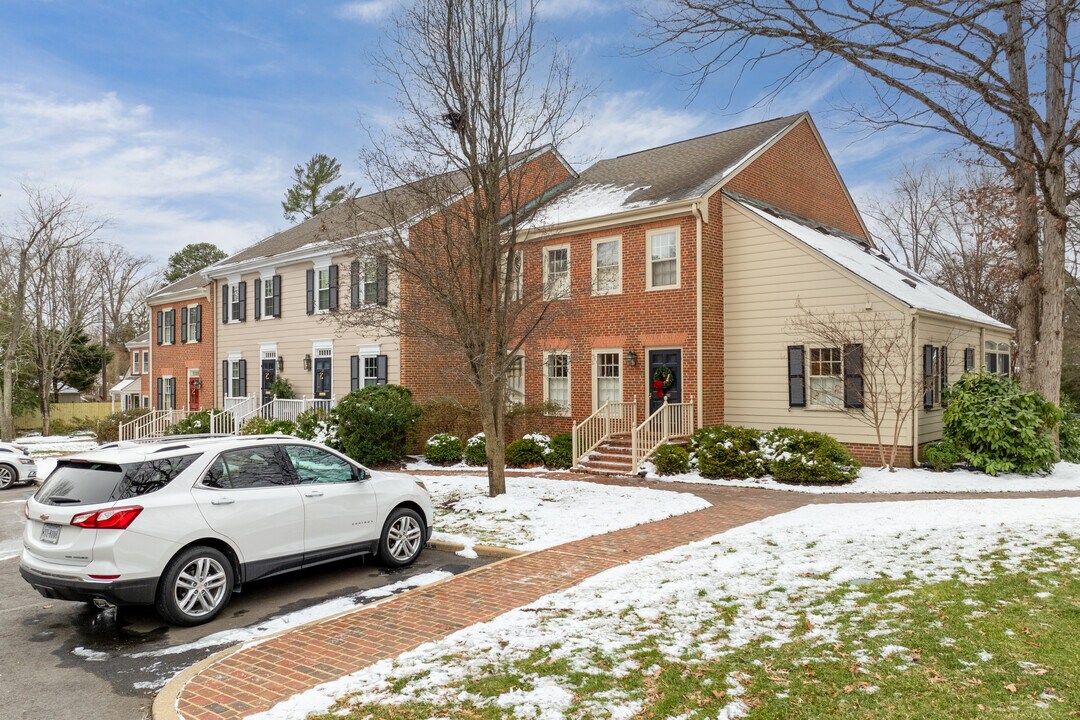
(913, 610)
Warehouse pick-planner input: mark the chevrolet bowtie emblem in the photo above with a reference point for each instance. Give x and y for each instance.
(43, 516)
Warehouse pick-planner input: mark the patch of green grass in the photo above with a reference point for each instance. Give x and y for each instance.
(1004, 645)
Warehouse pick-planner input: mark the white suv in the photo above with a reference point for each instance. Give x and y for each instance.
(16, 465)
(182, 523)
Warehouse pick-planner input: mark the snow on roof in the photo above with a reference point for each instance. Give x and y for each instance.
(124, 384)
(871, 265)
(587, 201)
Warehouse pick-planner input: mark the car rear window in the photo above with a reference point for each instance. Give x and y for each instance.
(77, 482)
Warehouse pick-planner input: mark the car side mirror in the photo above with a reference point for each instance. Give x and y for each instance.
(361, 474)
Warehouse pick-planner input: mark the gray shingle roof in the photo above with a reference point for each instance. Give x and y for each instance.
(191, 282)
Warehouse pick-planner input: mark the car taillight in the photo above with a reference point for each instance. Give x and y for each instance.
(112, 519)
(26, 509)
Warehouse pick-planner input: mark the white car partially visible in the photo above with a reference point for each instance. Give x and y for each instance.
(182, 523)
(16, 465)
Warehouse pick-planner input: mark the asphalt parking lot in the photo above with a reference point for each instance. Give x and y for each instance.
(70, 660)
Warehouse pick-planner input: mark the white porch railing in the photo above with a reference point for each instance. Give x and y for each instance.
(153, 424)
(238, 406)
(611, 418)
(670, 420)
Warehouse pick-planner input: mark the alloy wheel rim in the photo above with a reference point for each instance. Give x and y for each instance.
(6, 478)
(404, 537)
(200, 586)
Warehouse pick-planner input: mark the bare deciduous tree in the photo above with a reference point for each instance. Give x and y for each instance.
(477, 97)
(910, 219)
(966, 68)
(49, 223)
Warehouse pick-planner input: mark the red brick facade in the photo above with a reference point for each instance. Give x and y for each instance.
(870, 456)
(189, 363)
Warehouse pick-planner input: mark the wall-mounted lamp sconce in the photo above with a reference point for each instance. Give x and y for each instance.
(281, 363)
(631, 358)
(307, 362)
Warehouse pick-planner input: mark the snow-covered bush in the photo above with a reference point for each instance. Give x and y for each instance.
(807, 458)
(559, 453)
(264, 426)
(527, 452)
(373, 423)
(476, 450)
(671, 460)
(316, 425)
(442, 449)
(728, 451)
(941, 455)
(198, 423)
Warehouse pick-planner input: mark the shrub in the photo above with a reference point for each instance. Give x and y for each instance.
(1069, 432)
(373, 423)
(728, 451)
(942, 455)
(264, 426)
(476, 450)
(807, 458)
(447, 415)
(108, 428)
(672, 460)
(197, 423)
(999, 428)
(527, 452)
(282, 389)
(442, 449)
(60, 427)
(316, 425)
(559, 453)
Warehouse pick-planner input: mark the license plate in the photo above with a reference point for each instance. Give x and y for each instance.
(50, 533)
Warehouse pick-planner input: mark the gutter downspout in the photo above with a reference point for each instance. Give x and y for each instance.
(215, 313)
(917, 373)
(696, 207)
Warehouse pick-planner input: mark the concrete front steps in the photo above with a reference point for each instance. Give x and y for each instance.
(612, 457)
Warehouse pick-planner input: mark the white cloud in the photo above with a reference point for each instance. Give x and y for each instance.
(627, 122)
(367, 11)
(162, 187)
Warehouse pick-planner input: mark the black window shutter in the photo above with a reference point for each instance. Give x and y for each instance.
(242, 312)
(943, 366)
(224, 380)
(333, 287)
(928, 376)
(160, 326)
(183, 324)
(354, 284)
(796, 360)
(853, 376)
(381, 278)
(380, 369)
(172, 321)
(172, 393)
(258, 297)
(354, 372)
(198, 323)
(969, 359)
(277, 296)
(160, 393)
(243, 378)
(310, 292)
(225, 303)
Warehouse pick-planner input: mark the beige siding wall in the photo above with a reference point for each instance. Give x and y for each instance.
(295, 332)
(765, 275)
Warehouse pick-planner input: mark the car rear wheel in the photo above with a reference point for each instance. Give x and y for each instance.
(402, 538)
(196, 586)
(7, 476)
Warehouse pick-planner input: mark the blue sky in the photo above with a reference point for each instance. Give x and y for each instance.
(181, 121)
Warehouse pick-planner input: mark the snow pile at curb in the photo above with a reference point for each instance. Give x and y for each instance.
(774, 573)
(537, 513)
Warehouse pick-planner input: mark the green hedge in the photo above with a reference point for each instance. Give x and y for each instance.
(373, 423)
(728, 451)
(476, 451)
(442, 449)
(807, 458)
(528, 452)
(671, 460)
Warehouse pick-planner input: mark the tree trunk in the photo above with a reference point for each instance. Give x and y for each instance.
(493, 420)
(7, 421)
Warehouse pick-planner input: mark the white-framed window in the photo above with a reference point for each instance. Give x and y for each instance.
(136, 365)
(663, 266)
(146, 362)
(168, 400)
(517, 276)
(234, 302)
(322, 289)
(371, 370)
(607, 266)
(267, 298)
(557, 381)
(168, 327)
(369, 280)
(607, 376)
(515, 381)
(236, 388)
(998, 358)
(146, 401)
(826, 378)
(557, 272)
(193, 317)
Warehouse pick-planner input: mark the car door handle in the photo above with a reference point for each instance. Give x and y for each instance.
(313, 493)
(222, 501)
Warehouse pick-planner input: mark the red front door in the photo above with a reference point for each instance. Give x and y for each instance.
(193, 394)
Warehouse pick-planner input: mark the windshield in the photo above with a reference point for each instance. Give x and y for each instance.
(80, 482)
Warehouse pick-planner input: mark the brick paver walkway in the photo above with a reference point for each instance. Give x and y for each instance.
(256, 678)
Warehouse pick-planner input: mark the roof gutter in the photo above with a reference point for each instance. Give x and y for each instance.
(635, 215)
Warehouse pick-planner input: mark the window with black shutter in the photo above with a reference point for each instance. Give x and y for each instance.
(382, 276)
(381, 367)
(277, 296)
(258, 298)
(853, 376)
(310, 292)
(796, 375)
(354, 285)
(225, 303)
(198, 323)
(160, 393)
(930, 376)
(183, 324)
(943, 363)
(333, 287)
(354, 372)
(242, 307)
(160, 326)
(243, 377)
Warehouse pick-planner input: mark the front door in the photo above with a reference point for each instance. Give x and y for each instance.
(269, 373)
(194, 384)
(665, 377)
(323, 377)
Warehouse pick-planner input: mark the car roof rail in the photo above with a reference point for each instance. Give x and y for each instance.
(137, 442)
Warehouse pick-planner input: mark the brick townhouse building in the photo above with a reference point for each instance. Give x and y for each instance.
(181, 342)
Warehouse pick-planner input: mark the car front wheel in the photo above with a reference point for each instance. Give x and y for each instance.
(402, 538)
(7, 477)
(196, 586)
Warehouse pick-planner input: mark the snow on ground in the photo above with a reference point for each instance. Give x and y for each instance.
(45, 449)
(537, 513)
(1065, 477)
(773, 575)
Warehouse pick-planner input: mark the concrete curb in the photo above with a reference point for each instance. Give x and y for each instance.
(491, 551)
(164, 705)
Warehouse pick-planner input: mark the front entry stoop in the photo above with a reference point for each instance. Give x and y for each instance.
(612, 456)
